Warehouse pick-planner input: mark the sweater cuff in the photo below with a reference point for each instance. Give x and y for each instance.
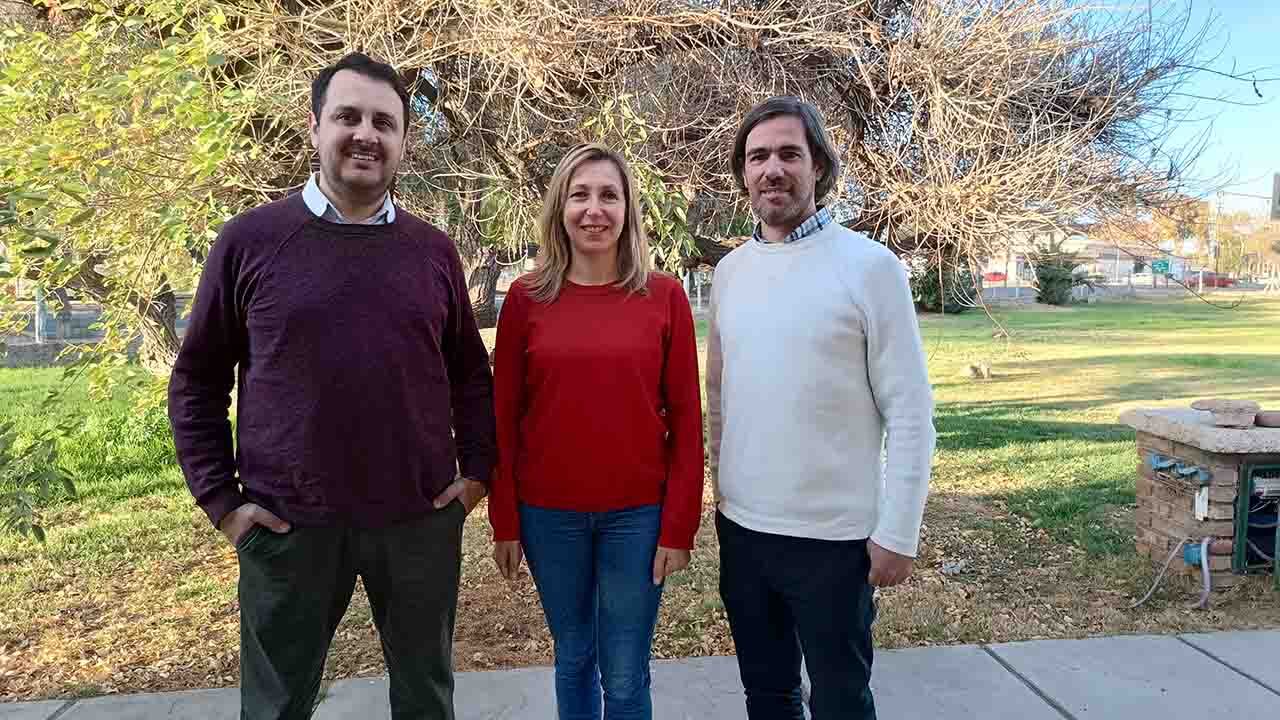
(220, 504)
(901, 546)
(677, 538)
(504, 529)
(479, 468)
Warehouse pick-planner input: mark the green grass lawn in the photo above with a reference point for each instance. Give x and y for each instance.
(1032, 492)
(122, 460)
(1033, 483)
(1043, 435)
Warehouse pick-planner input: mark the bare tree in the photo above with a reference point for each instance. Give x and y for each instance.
(959, 120)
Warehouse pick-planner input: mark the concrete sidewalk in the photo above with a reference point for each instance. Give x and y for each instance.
(1186, 677)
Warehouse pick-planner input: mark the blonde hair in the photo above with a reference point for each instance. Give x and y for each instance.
(555, 253)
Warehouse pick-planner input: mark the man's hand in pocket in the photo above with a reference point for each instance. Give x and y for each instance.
(469, 492)
(237, 523)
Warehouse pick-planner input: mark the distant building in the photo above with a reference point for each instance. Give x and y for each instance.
(1116, 263)
(1009, 266)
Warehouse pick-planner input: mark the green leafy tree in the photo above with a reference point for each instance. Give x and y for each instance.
(664, 207)
(121, 152)
(30, 476)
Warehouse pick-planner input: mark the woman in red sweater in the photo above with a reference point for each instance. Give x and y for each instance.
(599, 478)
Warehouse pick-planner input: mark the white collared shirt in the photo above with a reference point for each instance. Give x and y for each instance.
(318, 204)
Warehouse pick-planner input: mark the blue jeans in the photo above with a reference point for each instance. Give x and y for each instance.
(594, 573)
(789, 595)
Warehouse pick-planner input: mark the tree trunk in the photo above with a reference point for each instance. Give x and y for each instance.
(482, 285)
(159, 332)
(710, 251)
(23, 13)
(158, 317)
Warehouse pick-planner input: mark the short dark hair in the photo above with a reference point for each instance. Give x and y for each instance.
(820, 145)
(367, 66)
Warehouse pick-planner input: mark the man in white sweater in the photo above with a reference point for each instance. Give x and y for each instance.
(821, 426)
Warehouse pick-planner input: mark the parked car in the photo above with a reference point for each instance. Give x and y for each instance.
(1211, 279)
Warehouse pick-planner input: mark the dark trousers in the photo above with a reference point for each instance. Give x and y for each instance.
(790, 597)
(295, 588)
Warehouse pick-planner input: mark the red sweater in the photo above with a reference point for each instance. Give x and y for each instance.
(598, 406)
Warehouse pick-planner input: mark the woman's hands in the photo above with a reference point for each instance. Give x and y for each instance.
(668, 561)
(508, 555)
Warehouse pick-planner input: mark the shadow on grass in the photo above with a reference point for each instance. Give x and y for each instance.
(1237, 367)
(1096, 515)
(1072, 478)
(1111, 380)
(997, 425)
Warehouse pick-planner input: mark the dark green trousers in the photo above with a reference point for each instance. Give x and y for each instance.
(295, 588)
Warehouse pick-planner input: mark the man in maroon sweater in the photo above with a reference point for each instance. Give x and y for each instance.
(364, 426)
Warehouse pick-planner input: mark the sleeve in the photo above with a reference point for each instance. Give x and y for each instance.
(682, 502)
(201, 383)
(900, 384)
(470, 380)
(509, 405)
(715, 369)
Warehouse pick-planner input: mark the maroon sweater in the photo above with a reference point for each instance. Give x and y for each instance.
(362, 380)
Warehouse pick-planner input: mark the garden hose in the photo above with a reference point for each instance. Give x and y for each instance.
(1205, 577)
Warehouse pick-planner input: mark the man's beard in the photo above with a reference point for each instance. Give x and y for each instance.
(790, 213)
(375, 181)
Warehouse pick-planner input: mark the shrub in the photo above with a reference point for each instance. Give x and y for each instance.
(947, 286)
(1055, 273)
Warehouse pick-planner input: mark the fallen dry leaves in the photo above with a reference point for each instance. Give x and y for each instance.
(171, 623)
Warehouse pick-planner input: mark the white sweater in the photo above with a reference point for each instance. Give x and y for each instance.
(814, 367)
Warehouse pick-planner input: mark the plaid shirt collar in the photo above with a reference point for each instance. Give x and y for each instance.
(816, 222)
